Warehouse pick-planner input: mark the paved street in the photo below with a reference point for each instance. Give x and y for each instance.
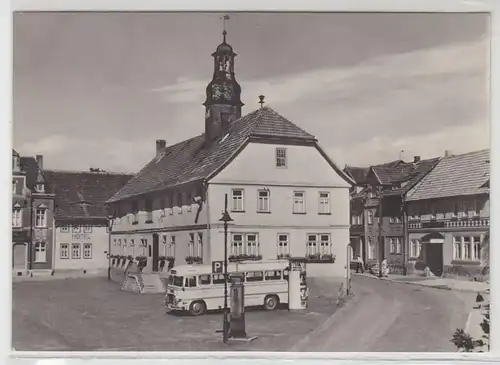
(92, 314)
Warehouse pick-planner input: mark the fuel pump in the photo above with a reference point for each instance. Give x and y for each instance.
(298, 292)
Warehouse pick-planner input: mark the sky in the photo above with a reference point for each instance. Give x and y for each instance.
(98, 89)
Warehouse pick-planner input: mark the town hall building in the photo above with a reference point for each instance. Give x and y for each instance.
(285, 195)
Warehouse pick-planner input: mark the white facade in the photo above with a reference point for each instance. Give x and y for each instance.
(289, 195)
(81, 248)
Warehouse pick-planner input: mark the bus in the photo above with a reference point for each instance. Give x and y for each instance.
(196, 289)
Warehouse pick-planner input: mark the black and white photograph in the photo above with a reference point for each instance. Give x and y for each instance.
(251, 181)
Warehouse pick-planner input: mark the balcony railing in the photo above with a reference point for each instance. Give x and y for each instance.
(462, 223)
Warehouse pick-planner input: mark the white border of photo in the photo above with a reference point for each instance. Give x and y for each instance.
(223, 6)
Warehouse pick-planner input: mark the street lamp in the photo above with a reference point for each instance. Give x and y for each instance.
(226, 218)
(110, 226)
(380, 236)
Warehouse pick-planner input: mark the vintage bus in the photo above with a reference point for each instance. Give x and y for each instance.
(196, 289)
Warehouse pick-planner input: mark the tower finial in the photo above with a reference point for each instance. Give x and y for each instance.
(225, 18)
(261, 100)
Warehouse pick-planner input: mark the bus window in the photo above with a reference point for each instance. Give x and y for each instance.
(285, 274)
(255, 276)
(273, 275)
(190, 282)
(175, 280)
(204, 280)
(218, 279)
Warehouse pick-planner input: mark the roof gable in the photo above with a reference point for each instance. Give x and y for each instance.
(464, 174)
(194, 160)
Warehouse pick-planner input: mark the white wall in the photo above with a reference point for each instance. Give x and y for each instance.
(99, 240)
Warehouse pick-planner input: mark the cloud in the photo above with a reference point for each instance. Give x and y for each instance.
(457, 139)
(69, 153)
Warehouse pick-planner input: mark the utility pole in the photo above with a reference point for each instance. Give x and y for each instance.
(226, 218)
(381, 242)
(405, 235)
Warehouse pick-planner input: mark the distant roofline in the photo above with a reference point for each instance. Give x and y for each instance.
(89, 172)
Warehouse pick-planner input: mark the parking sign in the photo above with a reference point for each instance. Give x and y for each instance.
(217, 267)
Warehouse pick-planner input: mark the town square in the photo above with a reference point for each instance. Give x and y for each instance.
(203, 191)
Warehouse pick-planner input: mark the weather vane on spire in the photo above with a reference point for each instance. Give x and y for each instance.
(225, 18)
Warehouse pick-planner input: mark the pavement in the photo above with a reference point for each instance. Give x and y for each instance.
(434, 282)
(94, 315)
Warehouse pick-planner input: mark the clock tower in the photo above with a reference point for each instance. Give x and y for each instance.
(223, 103)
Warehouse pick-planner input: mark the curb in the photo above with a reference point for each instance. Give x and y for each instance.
(416, 283)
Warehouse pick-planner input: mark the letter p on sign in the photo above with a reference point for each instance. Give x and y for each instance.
(217, 267)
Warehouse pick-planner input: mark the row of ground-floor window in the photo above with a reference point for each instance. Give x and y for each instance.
(247, 245)
(448, 252)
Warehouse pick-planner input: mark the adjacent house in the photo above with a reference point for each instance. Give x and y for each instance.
(81, 220)
(377, 210)
(32, 218)
(448, 214)
(285, 195)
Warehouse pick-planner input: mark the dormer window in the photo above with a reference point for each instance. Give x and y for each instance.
(40, 188)
(281, 157)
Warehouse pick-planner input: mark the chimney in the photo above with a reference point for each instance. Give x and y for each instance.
(447, 153)
(39, 162)
(160, 147)
(416, 159)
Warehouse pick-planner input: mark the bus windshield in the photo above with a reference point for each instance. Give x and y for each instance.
(176, 280)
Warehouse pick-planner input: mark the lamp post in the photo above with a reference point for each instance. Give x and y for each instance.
(380, 237)
(226, 218)
(110, 226)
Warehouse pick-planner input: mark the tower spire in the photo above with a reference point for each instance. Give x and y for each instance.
(225, 18)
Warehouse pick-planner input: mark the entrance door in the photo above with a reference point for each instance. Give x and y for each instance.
(434, 253)
(19, 256)
(156, 252)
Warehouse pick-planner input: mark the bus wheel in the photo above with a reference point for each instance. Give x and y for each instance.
(197, 308)
(271, 302)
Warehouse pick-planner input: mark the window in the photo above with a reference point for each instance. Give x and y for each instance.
(281, 157)
(199, 245)
(135, 210)
(263, 201)
(75, 251)
(467, 248)
(324, 244)
(391, 219)
(324, 203)
(395, 245)
(372, 248)
(87, 250)
(370, 217)
(190, 282)
(64, 229)
(312, 244)
(283, 244)
(17, 217)
(255, 276)
(148, 204)
(40, 252)
(252, 245)
(191, 244)
(397, 219)
(87, 229)
(76, 229)
(41, 217)
(195, 244)
(457, 248)
(476, 255)
(204, 279)
(237, 245)
(415, 248)
(14, 187)
(299, 202)
(356, 220)
(273, 275)
(170, 247)
(218, 278)
(64, 251)
(237, 200)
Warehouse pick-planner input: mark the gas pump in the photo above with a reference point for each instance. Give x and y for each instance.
(298, 292)
(237, 313)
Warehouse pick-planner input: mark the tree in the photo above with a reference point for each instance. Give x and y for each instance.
(464, 342)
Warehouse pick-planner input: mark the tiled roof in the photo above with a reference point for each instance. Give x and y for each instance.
(358, 174)
(82, 194)
(193, 160)
(388, 175)
(407, 181)
(456, 175)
